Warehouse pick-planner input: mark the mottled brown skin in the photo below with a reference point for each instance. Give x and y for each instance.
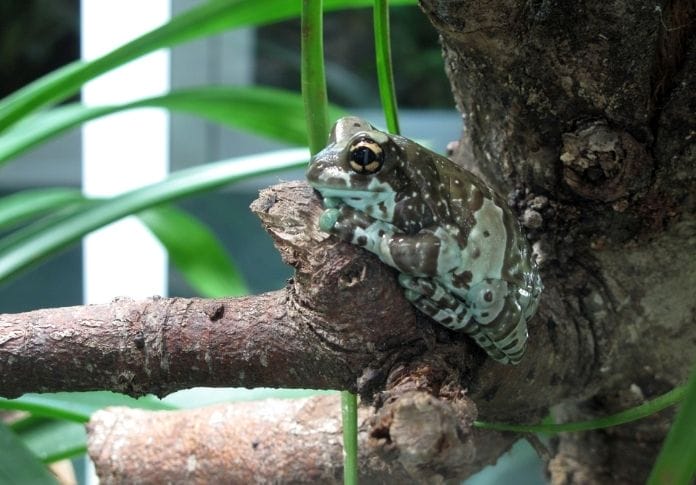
(460, 251)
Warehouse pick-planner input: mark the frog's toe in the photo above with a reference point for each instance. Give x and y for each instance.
(429, 288)
(419, 286)
(331, 202)
(433, 299)
(328, 219)
(445, 317)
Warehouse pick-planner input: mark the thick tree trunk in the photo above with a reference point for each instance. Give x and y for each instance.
(585, 114)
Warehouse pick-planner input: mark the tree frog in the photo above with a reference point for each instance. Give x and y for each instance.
(459, 250)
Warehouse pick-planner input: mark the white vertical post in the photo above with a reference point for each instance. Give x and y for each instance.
(124, 151)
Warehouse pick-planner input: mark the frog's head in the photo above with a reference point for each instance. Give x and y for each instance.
(361, 167)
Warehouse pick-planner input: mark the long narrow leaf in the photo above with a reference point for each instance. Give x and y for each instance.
(196, 252)
(264, 111)
(313, 77)
(676, 462)
(25, 234)
(316, 111)
(52, 440)
(18, 464)
(639, 412)
(29, 204)
(209, 18)
(385, 76)
(60, 232)
(193, 249)
(77, 406)
(349, 417)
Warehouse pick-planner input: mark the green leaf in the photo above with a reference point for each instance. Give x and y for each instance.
(385, 76)
(264, 111)
(349, 418)
(639, 412)
(52, 440)
(676, 462)
(193, 249)
(316, 111)
(196, 252)
(77, 406)
(23, 206)
(313, 79)
(207, 19)
(30, 245)
(18, 464)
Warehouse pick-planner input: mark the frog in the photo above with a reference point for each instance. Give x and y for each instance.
(460, 253)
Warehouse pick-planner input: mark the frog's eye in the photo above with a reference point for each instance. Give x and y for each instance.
(366, 156)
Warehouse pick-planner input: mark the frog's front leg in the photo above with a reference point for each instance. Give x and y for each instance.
(419, 254)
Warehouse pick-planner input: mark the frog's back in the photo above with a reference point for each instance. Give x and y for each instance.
(489, 229)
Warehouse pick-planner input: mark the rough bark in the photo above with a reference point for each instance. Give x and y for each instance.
(311, 334)
(584, 112)
(281, 441)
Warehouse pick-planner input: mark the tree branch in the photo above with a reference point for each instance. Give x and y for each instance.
(341, 322)
(410, 435)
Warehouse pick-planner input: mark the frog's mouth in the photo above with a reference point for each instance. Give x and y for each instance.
(376, 203)
(350, 194)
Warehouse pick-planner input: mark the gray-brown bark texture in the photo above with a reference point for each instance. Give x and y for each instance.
(584, 113)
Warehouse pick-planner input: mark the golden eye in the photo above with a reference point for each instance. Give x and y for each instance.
(366, 156)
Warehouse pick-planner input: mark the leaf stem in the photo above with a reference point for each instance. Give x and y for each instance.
(313, 77)
(646, 409)
(385, 75)
(676, 462)
(349, 413)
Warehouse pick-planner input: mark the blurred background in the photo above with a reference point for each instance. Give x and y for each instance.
(38, 36)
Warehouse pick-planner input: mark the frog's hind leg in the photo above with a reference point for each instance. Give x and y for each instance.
(436, 301)
(508, 349)
(499, 310)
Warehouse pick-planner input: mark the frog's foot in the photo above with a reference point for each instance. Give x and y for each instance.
(376, 236)
(344, 222)
(433, 299)
(510, 343)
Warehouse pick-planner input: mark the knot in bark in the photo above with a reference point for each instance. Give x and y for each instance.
(604, 164)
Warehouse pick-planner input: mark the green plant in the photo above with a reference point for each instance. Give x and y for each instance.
(39, 223)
